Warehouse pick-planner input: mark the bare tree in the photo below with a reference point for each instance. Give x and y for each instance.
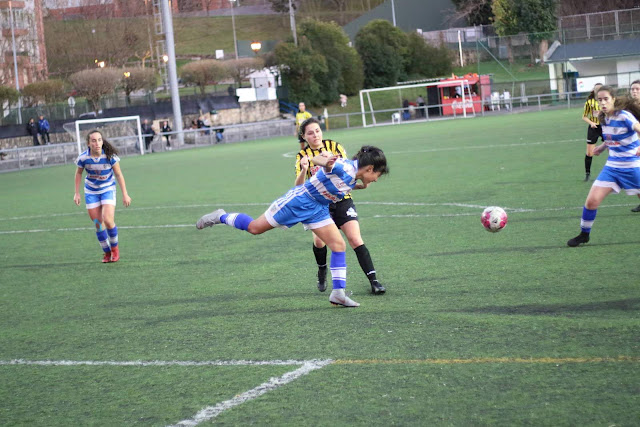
(137, 78)
(239, 69)
(204, 72)
(44, 92)
(96, 83)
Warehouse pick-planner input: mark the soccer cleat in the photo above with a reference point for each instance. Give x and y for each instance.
(586, 177)
(579, 239)
(115, 254)
(322, 279)
(377, 288)
(339, 298)
(636, 209)
(106, 257)
(209, 220)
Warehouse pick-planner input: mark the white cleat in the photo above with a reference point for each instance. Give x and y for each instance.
(211, 219)
(339, 298)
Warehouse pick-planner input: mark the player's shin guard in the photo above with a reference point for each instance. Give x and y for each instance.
(113, 236)
(238, 220)
(587, 164)
(588, 217)
(339, 270)
(103, 238)
(364, 258)
(321, 255)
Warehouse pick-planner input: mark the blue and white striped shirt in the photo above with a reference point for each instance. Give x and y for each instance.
(622, 140)
(327, 188)
(99, 172)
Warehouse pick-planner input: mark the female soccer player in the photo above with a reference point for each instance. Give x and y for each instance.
(634, 92)
(620, 129)
(594, 131)
(101, 162)
(309, 204)
(343, 212)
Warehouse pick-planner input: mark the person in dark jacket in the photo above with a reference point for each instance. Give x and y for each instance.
(32, 129)
(43, 129)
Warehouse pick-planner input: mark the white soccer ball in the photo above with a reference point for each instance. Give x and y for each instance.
(494, 219)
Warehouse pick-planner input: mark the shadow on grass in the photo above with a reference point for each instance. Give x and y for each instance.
(631, 304)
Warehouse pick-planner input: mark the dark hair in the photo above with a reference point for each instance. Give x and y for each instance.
(634, 82)
(592, 95)
(370, 155)
(621, 103)
(109, 150)
(306, 123)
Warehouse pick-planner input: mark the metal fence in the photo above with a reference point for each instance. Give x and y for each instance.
(15, 159)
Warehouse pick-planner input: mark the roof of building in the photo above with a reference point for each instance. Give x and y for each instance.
(600, 49)
(410, 15)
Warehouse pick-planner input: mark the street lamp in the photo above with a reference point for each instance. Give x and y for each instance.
(233, 24)
(255, 47)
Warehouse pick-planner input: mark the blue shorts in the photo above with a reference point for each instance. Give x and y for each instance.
(96, 200)
(627, 179)
(298, 206)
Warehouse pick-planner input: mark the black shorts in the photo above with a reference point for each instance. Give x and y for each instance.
(343, 212)
(593, 134)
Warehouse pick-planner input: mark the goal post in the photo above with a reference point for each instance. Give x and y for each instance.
(119, 134)
(382, 104)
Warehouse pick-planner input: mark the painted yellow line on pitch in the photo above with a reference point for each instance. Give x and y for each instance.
(540, 360)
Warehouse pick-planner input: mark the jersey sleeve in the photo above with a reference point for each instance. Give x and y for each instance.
(80, 162)
(629, 119)
(114, 159)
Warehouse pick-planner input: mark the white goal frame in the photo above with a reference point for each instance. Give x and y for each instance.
(461, 82)
(81, 145)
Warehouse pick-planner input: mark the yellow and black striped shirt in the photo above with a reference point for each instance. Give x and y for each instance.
(591, 110)
(329, 145)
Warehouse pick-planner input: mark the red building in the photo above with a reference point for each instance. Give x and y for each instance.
(28, 31)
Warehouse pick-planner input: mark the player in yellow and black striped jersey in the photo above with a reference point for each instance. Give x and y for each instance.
(343, 213)
(594, 131)
(301, 116)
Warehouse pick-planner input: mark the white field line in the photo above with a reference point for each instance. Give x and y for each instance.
(210, 412)
(440, 215)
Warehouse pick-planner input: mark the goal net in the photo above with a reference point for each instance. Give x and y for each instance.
(399, 104)
(124, 133)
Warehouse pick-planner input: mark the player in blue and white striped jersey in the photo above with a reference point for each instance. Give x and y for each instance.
(102, 164)
(620, 130)
(309, 204)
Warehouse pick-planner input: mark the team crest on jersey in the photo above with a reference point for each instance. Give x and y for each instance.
(352, 213)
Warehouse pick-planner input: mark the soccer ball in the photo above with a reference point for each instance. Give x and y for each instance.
(494, 219)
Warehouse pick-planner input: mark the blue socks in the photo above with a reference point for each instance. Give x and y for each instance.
(339, 270)
(113, 236)
(238, 220)
(103, 239)
(588, 217)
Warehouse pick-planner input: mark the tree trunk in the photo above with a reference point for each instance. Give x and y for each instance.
(542, 49)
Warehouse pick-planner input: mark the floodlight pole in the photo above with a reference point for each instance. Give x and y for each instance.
(167, 21)
(393, 12)
(233, 26)
(292, 20)
(15, 64)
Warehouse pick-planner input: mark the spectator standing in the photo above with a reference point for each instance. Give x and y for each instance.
(43, 129)
(32, 129)
(343, 100)
(148, 133)
(421, 104)
(165, 129)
